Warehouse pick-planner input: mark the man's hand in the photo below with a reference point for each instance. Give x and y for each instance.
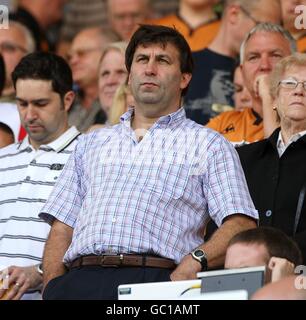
(261, 86)
(20, 279)
(186, 270)
(280, 268)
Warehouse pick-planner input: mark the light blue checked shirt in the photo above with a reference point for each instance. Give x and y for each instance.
(154, 196)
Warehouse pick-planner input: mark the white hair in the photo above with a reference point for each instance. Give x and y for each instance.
(30, 42)
(268, 27)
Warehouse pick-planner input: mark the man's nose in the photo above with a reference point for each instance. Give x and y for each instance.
(265, 64)
(31, 113)
(151, 67)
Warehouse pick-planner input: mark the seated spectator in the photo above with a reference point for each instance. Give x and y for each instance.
(15, 43)
(123, 99)
(112, 73)
(195, 20)
(289, 19)
(29, 169)
(264, 246)
(275, 167)
(242, 97)
(286, 289)
(268, 43)
(38, 16)
(6, 135)
(211, 85)
(84, 58)
(77, 16)
(125, 16)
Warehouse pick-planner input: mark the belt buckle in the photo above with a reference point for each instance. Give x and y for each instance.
(102, 260)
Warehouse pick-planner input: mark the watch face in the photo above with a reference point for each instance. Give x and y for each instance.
(198, 253)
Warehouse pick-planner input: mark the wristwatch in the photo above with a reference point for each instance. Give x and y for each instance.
(39, 269)
(201, 257)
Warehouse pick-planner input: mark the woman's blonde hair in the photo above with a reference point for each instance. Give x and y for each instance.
(294, 60)
(119, 46)
(119, 104)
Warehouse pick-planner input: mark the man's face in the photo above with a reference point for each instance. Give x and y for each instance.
(126, 15)
(243, 19)
(13, 48)
(242, 255)
(262, 52)
(112, 73)
(242, 97)
(291, 103)
(42, 113)
(84, 58)
(156, 80)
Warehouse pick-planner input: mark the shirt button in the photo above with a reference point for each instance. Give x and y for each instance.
(114, 220)
(28, 178)
(268, 213)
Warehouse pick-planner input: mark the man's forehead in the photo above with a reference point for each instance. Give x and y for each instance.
(268, 41)
(13, 34)
(157, 47)
(23, 84)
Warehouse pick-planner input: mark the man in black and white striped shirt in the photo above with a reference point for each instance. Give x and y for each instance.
(29, 169)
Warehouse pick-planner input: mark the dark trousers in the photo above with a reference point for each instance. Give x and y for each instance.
(100, 283)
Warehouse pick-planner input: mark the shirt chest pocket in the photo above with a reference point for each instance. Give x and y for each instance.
(169, 182)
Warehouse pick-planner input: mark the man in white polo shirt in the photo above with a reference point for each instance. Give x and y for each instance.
(29, 169)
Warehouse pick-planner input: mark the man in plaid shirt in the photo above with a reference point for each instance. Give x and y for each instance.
(132, 203)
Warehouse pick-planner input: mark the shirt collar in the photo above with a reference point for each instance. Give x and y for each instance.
(57, 145)
(164, 121)
(281, 147)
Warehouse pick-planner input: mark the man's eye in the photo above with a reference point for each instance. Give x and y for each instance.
(41, 104)
(142, 59)
(165, 61)
(238, 89)
(252, 58)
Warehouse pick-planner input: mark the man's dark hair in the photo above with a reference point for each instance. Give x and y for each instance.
(2, 74)
(45, 66)
(278, 244)
(150, 34)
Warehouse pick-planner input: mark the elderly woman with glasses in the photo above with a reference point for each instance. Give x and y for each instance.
(275, 168)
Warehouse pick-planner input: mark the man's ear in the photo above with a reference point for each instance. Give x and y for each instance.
(232, 11)
(185, 79)
(68, 100)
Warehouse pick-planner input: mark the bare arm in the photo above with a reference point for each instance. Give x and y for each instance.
(270, 122)
(56, 246)
(215, 248)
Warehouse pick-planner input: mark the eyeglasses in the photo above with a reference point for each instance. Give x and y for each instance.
(81, 52)
(291, 83)
(247, 13)
(10, 47)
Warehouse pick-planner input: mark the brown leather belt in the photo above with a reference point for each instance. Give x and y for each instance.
(123, 260)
